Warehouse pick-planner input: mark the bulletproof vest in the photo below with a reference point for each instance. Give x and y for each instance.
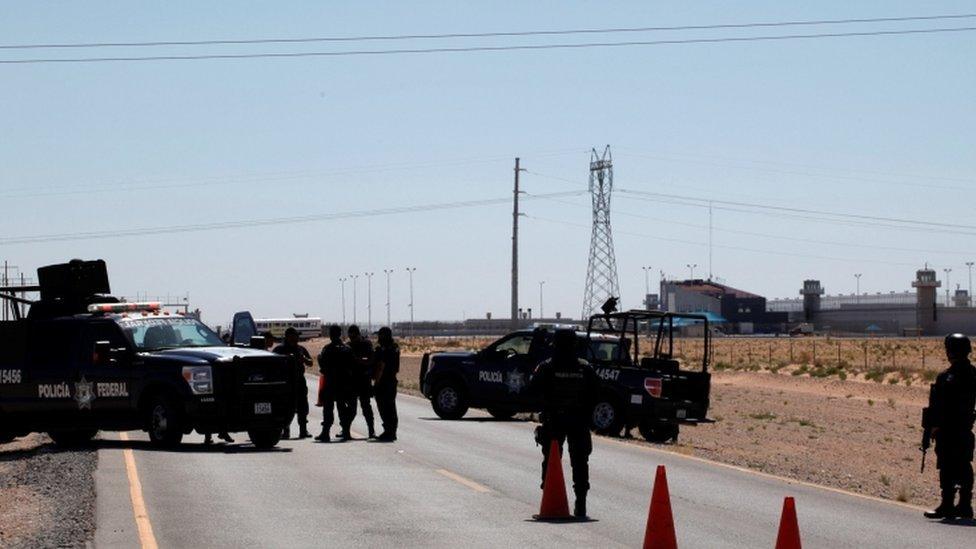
(566, 386)
(956, 393)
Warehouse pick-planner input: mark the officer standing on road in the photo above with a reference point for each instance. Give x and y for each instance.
(950, 416)
(336, 364)
(387, 365)
(362, 350)
(302, 359)
(568, 386)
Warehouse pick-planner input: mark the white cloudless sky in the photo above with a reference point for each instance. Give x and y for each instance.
(882, 125)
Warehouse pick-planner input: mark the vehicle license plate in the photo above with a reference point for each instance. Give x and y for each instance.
(682, 413)
(262, 407)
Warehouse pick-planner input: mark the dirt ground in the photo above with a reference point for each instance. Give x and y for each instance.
(855, 434)
(47, 495)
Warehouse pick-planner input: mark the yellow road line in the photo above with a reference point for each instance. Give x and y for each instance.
(146, 538)
(465, 481)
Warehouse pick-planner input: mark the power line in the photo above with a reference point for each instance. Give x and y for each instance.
(845, 215)
(772, 236)
(820, 216)
(468, 49)
(565, 32)
(697, 158)
(145, 231)
(735, 248)
(171, 183)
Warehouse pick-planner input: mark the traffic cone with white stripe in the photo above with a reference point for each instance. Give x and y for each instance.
(660, 524)
(555, 504)
(789, 528)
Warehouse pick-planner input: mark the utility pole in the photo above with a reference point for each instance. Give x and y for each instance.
(691, 270)
(970, 264)
(947, 271)
(541, 314)
(369, 302)
(857, 291)
(515, 220)
(342, 285)
(354, 277)
(410, 270)
(388, 272)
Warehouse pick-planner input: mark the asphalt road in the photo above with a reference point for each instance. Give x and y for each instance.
(468, 483)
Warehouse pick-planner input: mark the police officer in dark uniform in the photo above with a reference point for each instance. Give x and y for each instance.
(386, 367)
(301, 359)
(950, 417)
(362, 351)
(336, 363)
(568, 386)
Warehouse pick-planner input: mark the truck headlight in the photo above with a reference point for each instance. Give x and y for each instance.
(199, 378)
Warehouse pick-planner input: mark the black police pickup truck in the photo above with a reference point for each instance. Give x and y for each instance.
(81, 361)
(647, 390)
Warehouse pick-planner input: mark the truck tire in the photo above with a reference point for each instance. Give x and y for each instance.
(165, 422)
(265, 438)
(449, 401)
(608, 416)
(656, 431)
(72, 438)
(499, 413)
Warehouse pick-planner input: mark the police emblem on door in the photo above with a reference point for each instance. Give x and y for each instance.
(84, 394)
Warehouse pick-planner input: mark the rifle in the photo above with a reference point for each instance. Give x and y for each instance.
(926, 434)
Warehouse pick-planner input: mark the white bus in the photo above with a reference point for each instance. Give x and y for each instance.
(308, 327)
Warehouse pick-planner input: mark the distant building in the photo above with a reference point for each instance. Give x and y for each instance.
(739, 311)
(921, 312)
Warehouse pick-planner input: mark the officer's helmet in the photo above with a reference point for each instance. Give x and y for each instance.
(564, 341)
(957, 346)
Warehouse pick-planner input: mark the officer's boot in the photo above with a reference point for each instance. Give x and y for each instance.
(372, 430)
(303, 431)
(946, 509)
(286, 433)
(579, 511)
(324, 437)
(965, 508)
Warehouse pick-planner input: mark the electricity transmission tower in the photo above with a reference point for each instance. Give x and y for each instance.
(601, 271)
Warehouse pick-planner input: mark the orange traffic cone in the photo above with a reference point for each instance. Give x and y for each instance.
(660, 524)
(789, 527)
(555, 505)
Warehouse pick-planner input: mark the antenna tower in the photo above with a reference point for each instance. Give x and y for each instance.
(601, 272)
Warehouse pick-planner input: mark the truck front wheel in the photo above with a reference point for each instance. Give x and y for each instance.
(165, 422)
(608, 417)
(449, 401)
(265, 438)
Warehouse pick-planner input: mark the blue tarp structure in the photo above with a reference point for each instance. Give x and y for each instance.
(713, 319)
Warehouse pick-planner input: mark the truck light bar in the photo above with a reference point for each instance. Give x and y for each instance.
(124, 307)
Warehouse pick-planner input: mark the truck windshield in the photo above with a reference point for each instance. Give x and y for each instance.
(147, 334)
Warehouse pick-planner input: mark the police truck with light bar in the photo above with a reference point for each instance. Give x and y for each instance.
(81, 361)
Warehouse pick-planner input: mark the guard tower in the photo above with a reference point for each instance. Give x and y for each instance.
(811, 292)
(926, 308)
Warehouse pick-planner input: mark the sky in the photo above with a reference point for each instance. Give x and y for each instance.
(881, 126)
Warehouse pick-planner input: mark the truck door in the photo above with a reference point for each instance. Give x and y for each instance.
(52, 376)
(108, 368)
(243, 329)
(503, 373)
